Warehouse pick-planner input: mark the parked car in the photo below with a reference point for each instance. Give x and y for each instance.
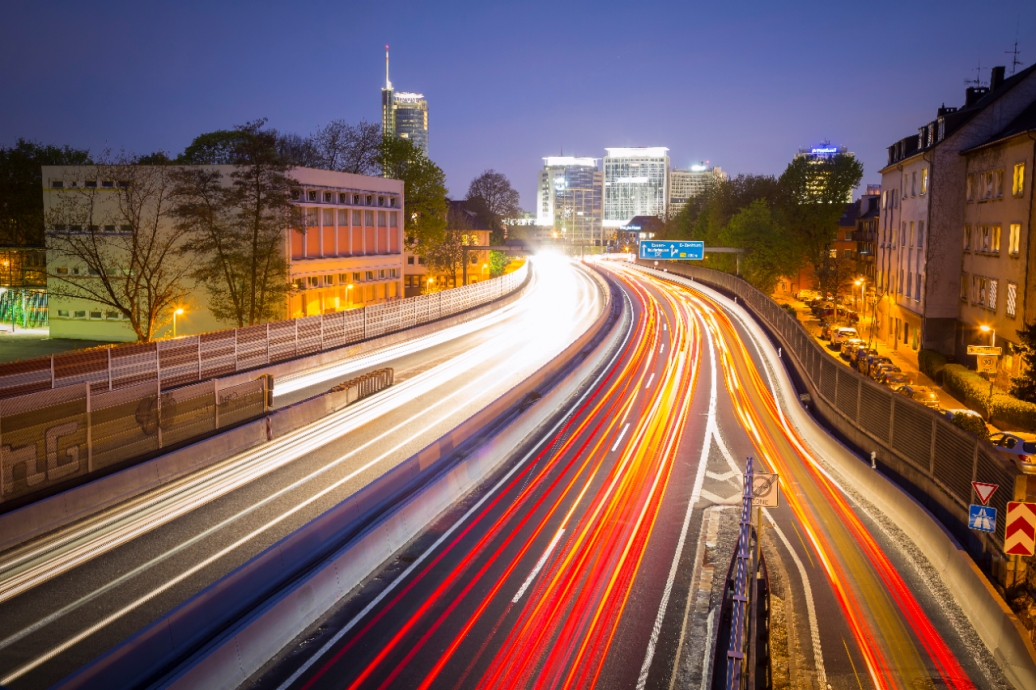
(922, 394)
(822, 308)
(848, 345)
(867, 364)
(843, 333)
(843, 314)
(894, 379)
(878, 370)
(807, 295)
(825, 329)
(1016, 443)
(860, 353)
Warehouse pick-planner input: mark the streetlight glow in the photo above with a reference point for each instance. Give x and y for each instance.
(176, 313)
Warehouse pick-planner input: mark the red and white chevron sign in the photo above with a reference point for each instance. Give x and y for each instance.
(1020, 532)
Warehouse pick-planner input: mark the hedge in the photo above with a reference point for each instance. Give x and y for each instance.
(931, 363)
(1007, 412)
(971, 424)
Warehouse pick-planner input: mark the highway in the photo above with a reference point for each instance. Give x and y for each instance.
(73, 594)
(572, 566)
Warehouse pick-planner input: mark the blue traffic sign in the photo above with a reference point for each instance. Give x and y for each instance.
(672, 250)
(982, 518)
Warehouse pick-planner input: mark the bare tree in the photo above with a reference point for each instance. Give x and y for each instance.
(493, 197)
(349, 148)
(115, 244)
(298, 151)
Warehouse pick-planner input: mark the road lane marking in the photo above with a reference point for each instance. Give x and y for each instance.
(539, 565)
(336, 638)
(661, 349)
(858, 681)
(650, 379)
(699, 480)
(621, 434)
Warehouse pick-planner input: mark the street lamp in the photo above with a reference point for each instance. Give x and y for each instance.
(428, 283)
(992, 342)
(176, 313)
(986, 329)
(349, 293)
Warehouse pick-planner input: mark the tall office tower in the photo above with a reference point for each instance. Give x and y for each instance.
(820, 153)
(636, 183)
(569, 199)
(404, 114)
(690, 182)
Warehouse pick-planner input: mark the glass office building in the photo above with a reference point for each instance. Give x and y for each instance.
(636, 183)
(690, 182)
(404, 114)
(569, 199)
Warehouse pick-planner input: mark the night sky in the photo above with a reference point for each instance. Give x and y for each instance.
(741, 84)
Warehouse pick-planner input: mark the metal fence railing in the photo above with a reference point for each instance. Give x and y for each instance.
(177, 362)
(744, 572)
(364, 386)
(52, 436)
(934, 459)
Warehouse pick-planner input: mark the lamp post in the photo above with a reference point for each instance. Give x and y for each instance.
(428, 283)
(349, 294)
(176, 313)
(992, 342)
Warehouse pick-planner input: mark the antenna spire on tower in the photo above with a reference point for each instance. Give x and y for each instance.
(388, 84)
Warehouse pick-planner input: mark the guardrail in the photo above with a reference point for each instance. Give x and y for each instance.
(361, 387)
(181, 361)
(929, 457)
(744, 570)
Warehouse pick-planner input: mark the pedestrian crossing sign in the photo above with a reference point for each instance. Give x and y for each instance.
(982, 518)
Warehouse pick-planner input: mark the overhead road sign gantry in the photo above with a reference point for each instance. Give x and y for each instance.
(672, 250)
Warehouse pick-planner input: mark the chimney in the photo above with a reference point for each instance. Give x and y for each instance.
(973, 94)
(996, 78)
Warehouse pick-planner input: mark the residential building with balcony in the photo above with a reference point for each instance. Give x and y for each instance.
(347, 254)
(922, 217)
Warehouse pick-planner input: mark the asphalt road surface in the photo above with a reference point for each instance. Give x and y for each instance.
(571, 566)
(70, 596)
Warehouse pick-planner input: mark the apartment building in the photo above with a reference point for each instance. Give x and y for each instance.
(922, 216)
(998, 249)
(347, 254)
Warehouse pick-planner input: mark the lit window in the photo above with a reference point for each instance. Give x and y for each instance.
(1018, 183)
(1014, 239)
(1012, 299)
(924, 181)
(991, 303)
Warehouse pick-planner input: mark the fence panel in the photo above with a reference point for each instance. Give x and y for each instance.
(134, 364)
(178, 361)
(218, 354)
(90, 366)
(42, 440)
(188, 412)
(848, 390)
(875, 411)
(241, 402)
(22, 378)
(353, 326)
(381, 319)
(309, 334)
(408, 313)
(123, 424)
(251, 347)
(953, 462)
(282, 340)
(333, 331)
(828, 372)
(912, 432)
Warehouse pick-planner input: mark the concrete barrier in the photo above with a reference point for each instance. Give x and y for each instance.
(79, 502)
(997, 626)
(365, 529)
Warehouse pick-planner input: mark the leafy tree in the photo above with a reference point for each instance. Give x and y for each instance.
(497, 263)
(1023, 386)
(813, 195)
(117, 247)
(770, 251)
(212, 148)
(156, 158)
(424, 191)
(21, 182)
(349, 148)
(235, 226)
(493, 198)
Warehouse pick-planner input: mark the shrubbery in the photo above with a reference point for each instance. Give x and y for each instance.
(968, 386)
(1012, 413)
(931, 364)
(971, 424)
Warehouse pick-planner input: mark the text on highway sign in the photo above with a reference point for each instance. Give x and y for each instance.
(764, 490)
(984, 350)
(672, 250)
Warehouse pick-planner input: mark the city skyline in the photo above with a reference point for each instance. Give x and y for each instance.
(164, 83)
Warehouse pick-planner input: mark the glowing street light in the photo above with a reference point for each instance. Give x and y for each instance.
(349, 293)
(987, 329)
(176, 313)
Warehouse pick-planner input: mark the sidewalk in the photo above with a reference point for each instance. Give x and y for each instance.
(812, 325)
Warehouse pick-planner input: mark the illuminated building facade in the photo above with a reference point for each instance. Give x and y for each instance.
(569, 199)
(636, 183)
(690, 182)
(403, 114)
(820, 153)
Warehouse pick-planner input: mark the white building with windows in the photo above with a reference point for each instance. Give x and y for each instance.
(686, 183)
(636, 183)
(570, 199)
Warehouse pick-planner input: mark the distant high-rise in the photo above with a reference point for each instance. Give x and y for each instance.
(403, 114)
(690, 182)
(569, 198)
(636, 183)
(824, 151)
